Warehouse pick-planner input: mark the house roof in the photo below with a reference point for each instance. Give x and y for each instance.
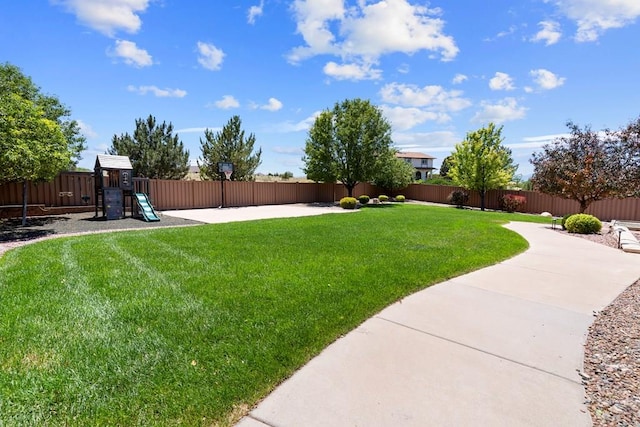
(408, 155)
(105, 161)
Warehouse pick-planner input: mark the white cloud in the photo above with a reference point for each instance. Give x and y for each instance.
(549, 33)
(108, 16)
(303, 125)
(288, 150)
(512, 29)
(160, 93)
(404, 68)
(86, 129)
(227, 102)
(272, 105)
(499, 112)
(404, 118)
(131, 54)
(501, 81)
(546, 80)
(198, 129)
(254, 12)
(352, 71)
(364, 32)
(426, 142)
(459, 78)
(431, 97)
(210, 56)
(594, 17)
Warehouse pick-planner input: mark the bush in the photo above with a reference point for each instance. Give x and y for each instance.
(513, 202)
(383, 198)
(348, 203)
(364, 199)
(583, 224)
(564, 220)
(458, 198)
(400, 198)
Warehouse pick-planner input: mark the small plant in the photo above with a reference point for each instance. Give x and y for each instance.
(364, 199)
(383, 198)
(583, 224)
(564, 220)
(400, 198)
(458, 198)
(512, 202)
(348, 202)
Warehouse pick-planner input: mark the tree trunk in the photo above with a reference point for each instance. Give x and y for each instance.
(349, 190)
(24, 203)
(583, 206)
(482, 194)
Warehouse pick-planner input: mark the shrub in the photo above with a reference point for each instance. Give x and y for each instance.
(400, 198)
(364, 199)
(348, 203)
(383, 198)
(564, 220)
(458, 198)
(513, 202)
(583, 224)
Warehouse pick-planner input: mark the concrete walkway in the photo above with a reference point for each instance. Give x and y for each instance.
(500, 346)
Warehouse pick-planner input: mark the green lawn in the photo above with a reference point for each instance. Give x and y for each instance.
(189, 325)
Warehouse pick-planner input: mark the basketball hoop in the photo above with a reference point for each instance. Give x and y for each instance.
(228, 175)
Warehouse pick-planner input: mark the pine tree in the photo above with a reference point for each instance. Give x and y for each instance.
(153, 150)
(229, 145)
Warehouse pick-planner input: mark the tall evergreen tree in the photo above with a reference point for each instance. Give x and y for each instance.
(481, 162)
(229, 145)
(153, 150)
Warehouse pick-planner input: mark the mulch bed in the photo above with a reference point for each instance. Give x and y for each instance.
(77, 223)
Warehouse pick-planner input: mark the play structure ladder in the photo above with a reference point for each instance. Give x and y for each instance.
(145, 207)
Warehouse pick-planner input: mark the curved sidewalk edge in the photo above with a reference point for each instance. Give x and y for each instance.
(501, 346)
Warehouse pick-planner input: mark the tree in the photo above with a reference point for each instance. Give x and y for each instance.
(583, 167)
(481, 162)
(229, 145)
(153, 150)
(37, 141)
(625, 148)
(394, 174)
(445, 167)
(347, 144)
(12, 80)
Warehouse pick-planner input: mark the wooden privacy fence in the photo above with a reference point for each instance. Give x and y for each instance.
(71, 191)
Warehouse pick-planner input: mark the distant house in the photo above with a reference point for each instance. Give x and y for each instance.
(423, 163)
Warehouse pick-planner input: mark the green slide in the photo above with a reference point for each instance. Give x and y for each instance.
(145, 207)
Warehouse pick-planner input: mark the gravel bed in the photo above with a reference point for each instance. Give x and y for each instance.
(611, 373)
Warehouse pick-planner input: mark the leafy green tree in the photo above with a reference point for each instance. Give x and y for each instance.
(37, 140)
(438, 179)
(583, 167)
(12, 80)
(229, 145)
(445, 167)
(153, 150)
(481, 162)
(348, 144)
(394, 174)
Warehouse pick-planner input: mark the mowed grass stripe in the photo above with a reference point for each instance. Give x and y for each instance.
(183, 326)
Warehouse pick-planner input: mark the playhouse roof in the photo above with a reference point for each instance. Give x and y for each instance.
(105, 161)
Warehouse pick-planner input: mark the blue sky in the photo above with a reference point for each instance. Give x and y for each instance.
(437, 69)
